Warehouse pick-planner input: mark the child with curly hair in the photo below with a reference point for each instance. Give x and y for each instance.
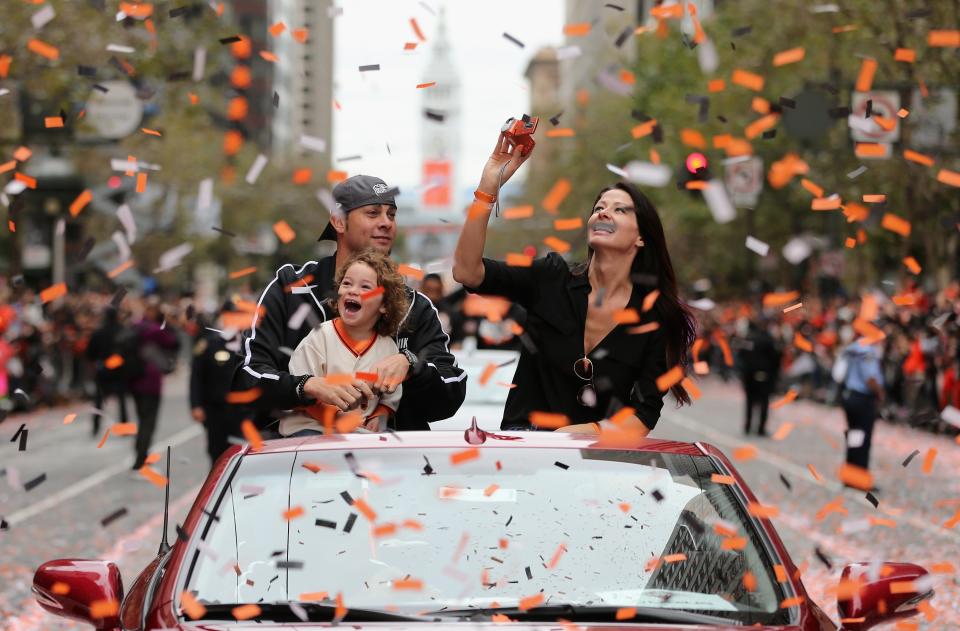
(371, 304)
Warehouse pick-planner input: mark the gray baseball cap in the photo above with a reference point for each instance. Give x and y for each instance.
(357, 191)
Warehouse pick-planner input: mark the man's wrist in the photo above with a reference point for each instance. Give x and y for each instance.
(301, 388)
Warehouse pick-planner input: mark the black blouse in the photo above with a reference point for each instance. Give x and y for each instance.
(625, 365)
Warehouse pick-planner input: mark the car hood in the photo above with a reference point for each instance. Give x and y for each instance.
(465, 626)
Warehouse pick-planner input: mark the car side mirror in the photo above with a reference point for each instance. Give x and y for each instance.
(868, 596)
(85, 590)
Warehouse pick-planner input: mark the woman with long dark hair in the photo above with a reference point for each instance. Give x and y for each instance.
(600, 334)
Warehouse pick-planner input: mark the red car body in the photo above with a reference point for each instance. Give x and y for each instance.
(90, 581)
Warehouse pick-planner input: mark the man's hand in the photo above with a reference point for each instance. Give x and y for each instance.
(344, 397)
(391, 371)
(198, 415)
(579, 428)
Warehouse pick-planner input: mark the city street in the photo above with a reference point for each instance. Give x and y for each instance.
(61, 517)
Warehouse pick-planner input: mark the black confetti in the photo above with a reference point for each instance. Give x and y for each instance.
(3, 524)
(555, 119)
(623, 36)
(529, 573)
(178, 11)
(351, 520)
(290, 565)
(869, 108)
(786, 482)
(839, 112)
(513, 39)
(740, 31)
(785, 102)
(615, 7)
(369, 67)
(86, 248)
(326, 523)
(657, 495)
(770, 133)
(86, 71)
(233, 39)
(910, 457)
(346, 498)
(434, 115)
(276, 100)
(112, 517)
(21, 430)
(508, 521)
(226, 232)
(561, 465)
(34, 483)
(427, 469)
(823, 558)
(872, 499)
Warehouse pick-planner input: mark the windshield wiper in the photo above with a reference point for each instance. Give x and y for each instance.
(586, 613)
(316, 612)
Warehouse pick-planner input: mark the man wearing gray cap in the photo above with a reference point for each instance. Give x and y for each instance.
(295, 300)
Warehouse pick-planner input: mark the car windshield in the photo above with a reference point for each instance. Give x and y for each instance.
(413, 530)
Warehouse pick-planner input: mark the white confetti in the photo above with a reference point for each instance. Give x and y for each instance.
(255, 169)
(326, 198)
(298, 611)
(758, 246)
(715, 194)
(199, 63)
(121, 245)
(796, 250)
(648, 173)
(313, 143)
(855, 438)
(173, 257)
(617, 170)
(118, 48)
(42, 17)
(568, 52)
(205, 194)
(126, 220)
(951, 415)
(296, 320)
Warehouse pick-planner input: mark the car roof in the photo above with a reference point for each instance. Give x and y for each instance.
(454, 439)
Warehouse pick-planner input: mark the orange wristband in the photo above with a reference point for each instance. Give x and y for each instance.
(484, 197)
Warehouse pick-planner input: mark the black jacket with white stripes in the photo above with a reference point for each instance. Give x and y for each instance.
(295, 301)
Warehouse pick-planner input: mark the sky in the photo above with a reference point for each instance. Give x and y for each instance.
(385, 107)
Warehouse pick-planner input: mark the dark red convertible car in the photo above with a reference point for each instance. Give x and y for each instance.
(530, 529)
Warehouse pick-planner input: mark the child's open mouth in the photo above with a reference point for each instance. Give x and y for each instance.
(351, 306)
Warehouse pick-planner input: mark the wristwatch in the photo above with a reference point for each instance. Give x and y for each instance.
(301, 395)
(411, 357)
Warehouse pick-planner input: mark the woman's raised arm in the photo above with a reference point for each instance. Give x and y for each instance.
(500, 167)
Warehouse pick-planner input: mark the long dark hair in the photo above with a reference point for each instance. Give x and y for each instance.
(653, 269)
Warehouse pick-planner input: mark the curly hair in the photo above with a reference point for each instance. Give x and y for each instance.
(395, 299)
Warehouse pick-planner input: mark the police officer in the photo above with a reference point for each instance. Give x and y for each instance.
(211, 373)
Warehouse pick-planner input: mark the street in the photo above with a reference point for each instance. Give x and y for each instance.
(61, 516)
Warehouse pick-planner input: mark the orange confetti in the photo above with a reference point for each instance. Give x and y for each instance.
(792, 602)
(722, 479)
(465, 455)
(643, 129)
(300, 35)
(8, 166)
(561, 132)
(60, 588)
(246, 271)
(747, 452)
(780, 299)
(625, 316)
(26, 179)
(928, 460)
(113, 362)
(518, 212)
(153, 477)
(558, 245)
(411, 584)
(53, 292)
(251, 435)
(52, 122)
(749, 581)
(870, 150)
(302, 176)
(734, 543)
(293, 513)
(576, 30)
(748, 80)
(893, 223)
(488, 371)
(191, 606)
(787, 398)
(141, 182)
(943, 39)
(530, 602)
(812, 188)
(557, 554)
(364, 509)
(266, 55)
(790, 56)
(243, 396)
(43, 49)
(77, 206)
(802, 343)
(868, 68)
(69, 418)
(5, 61)
(518, 260)
(669, 378)
(911, 264)
(690, 387)
(490, 490)
(626, 613)
(410, 272)
(548, 420)
(556, 195)
(919, 158)
(693, 138)
(416, 29)
(761, 511)
(334, 176)
(421, 86)
(277, 29)
(284, 232)
(783, 431)
(716, 85)
(855, 476)
(123, 429)
(245, 612)
(104, 608)
(950, 178)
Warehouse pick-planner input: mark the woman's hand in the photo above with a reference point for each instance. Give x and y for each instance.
(579, 428)
(376, 424)
(344, 397)
(505, 157)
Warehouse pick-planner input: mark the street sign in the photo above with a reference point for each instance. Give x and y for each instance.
(883, 103)
(744, 180)
(111, 115)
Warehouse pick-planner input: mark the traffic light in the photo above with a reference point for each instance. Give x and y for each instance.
(694, 173)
